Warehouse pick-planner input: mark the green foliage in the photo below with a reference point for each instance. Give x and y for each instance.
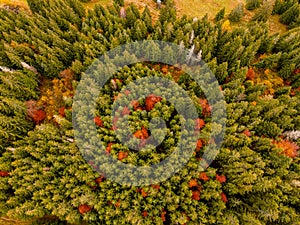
(253, 4)
(254, 179)
(291, 15)
(220, 15)
(119, 2)
(237, 13)
(263, 13)
(16, 87)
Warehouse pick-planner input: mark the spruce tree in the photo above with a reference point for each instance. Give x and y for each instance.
(237, 13)
(220, 15)
(263, 13)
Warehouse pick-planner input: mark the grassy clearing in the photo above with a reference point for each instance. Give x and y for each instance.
(21, 3)
(198, 8)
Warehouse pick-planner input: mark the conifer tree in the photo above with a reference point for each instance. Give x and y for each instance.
(253, 4)
(263, 13)
(220, 15)
(237, 13)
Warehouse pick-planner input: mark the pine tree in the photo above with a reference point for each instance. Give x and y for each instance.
(291, 15)
(237, 13)
(263, 13)
(220, 15)
(253, 4)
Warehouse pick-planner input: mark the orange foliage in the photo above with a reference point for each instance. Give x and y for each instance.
(290, 149)
(38, 116)
(296, 71)
(247, 133)
(53, 93)
(98, 121)
(144, 213)
(125, 111)
(224, 197)
(193, 183)
(84, 208)
(203, 176)
(99, 179)
(4, 174)
(250, 74)
(144, 194)
(199, 124)
(196, 195)
(122, 155)
(142, 134)
(108, 148)
(206, 108)
(151, 100)
(155, 186)
(199, 144)
(136, 105)
(62, 111)
(117, 96)
(164, 69)
(163, 215)
(221, 178)
(118, 203)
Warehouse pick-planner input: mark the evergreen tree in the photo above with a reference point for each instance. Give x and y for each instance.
(253, 4)
(220, 15)
(119, 2)
(263, 13)
(237, 13)
(290, 15)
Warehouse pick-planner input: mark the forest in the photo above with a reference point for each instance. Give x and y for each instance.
(245, 127)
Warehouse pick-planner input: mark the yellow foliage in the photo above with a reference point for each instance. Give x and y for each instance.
(226, 26)
(53, 96)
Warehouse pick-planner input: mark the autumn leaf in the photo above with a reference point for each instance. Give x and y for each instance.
(224, 197)
(38, 116)
(99, 179)
(62, 112)
(144, 213)
(151, 100)
(290, 149)
(203, 176)
(144, 194)
(199, 124)
(250, 74)
(4, 174)
(84, 208)
(163, 215)
(136, 105)
(122, 155)
(206, 108)
(199, 144)
(193, 183)
(196, 195)
(142, 134)
(108, 148)
(118, 203)
(125, 111)
(155, 186)
(221, 178)
(247, 133)
(98, 121)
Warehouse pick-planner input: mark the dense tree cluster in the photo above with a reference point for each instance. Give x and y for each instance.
(255, 178)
